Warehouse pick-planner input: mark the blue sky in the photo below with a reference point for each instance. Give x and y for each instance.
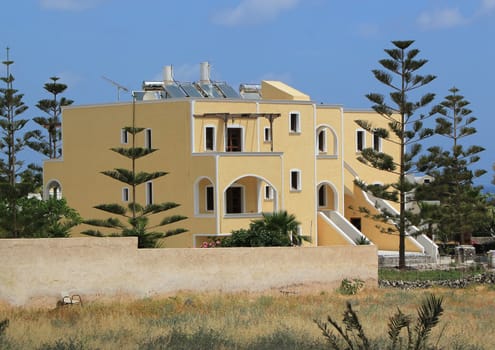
(324, 48)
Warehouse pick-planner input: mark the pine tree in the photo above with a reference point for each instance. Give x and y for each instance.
(136, 214)
(53, 108)
(12, 141)
(462, 205)
(406, 128)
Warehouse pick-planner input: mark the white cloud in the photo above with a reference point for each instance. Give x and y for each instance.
(486, 8)
(445, 18)
(69, 5)
(253, 11)
(488, 5)
(452, 17)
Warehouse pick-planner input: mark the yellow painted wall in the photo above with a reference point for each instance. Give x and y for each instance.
(298, 149)
(276, 90)
(327, 236)
(329, 163)
(384, 241)
(366, 173)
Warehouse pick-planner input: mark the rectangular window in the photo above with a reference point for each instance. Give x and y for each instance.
(360, 141)
(268, 192)
(234, 140)
(210, 138)
(125, 194)
(234, 200)
(294, 123)
(147, 139)
(295, 180)
(149, 193)
(124, 136)
(267, 134)
(210, 202)
(377, 143)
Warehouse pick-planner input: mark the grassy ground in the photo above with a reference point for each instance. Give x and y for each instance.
(243, 321)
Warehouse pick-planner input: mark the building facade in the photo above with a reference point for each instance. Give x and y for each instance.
(230, 157)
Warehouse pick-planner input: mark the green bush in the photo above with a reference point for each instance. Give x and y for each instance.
(348, 287)
(256, 238)
(362, 241)
(278, 229)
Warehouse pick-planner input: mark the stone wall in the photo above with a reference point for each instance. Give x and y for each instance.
(34, 271)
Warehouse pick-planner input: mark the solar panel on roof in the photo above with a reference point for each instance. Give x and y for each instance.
(174, 91)
(210, 90)
(190, 90)
(227, 90)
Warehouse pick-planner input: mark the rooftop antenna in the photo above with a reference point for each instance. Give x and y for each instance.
(117, 85)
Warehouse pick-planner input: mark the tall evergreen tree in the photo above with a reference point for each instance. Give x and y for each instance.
(137, 215)
(462, 205)
(52, 122)
(12, 141)
(405, 130)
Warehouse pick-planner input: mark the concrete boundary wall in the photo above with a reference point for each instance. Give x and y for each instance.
(41, 271)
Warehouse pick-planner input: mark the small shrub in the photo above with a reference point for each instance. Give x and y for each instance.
(62, 344)
(352, 335)
(348, 287)
(3, 327)
(362, 241)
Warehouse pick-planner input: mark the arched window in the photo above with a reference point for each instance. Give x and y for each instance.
(204, 197)
(53, 190)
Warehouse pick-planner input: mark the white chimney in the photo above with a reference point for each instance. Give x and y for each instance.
(204, 73)
(168, 75)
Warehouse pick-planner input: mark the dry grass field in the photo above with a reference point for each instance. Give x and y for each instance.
(243, 321)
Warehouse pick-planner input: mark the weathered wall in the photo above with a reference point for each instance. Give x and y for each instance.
(46, 269)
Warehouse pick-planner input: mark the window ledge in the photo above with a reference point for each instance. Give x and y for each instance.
(242, 215)
(204, 215)
(327, 156)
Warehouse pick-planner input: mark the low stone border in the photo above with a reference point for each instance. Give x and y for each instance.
(482, 278)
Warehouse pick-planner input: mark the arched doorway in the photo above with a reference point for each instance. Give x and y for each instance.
(327, 196)
(250, 195)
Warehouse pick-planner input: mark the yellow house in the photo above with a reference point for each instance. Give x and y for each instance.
(230, 156)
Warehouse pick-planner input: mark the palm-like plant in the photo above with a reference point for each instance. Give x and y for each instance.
(462, 207)
(417, 334)
(401, 111)
(137, 222)
(137, 216)
(52, 107)
(283, 223)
